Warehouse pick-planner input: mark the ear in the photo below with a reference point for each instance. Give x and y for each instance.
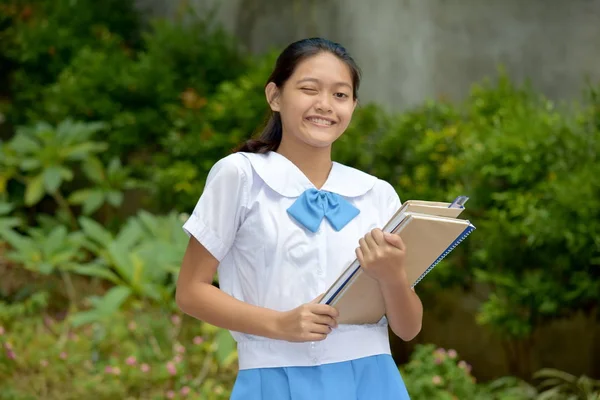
(272, 94)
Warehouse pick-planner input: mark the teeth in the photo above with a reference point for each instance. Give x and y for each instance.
(320, 121)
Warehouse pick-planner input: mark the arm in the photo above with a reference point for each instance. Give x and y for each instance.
(403, 307)
(197, 297)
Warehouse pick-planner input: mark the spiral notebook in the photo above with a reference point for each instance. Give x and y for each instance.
(430, 231)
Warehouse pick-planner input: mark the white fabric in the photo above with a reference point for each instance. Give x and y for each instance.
(269, 260)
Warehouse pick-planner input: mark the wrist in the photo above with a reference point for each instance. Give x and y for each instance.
(273, 324)
(398, 280)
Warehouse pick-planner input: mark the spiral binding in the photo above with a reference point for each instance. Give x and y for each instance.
(462, 237)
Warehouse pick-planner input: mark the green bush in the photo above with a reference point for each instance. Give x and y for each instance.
(142, 353)
(38, 38)
(438, 374)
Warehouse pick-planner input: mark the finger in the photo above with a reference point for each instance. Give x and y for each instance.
(395, 240)
(371, 241)
(316, 337)
(320, 328)
(363, 244)
(378, 237)
(324, 309)
(317, 299)
(360, 256)
(325, 320)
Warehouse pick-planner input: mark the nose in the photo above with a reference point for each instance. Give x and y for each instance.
(324, 104)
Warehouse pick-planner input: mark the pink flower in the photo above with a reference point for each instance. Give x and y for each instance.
(144, 367)
(175, 319)
(1, 330)
(171, 368)
(177, 359)
(8, 346)
(452, 353)
(132, 325)
(464, 365)
(43, 363)
(11, 354)
(116, 371)
(179, 348)
(130, 360)
(438, 361)
(437, 380)
(185, 390)
(198, 340)
(63, 355)
(170, 394)
(108, 369)
(441, 351)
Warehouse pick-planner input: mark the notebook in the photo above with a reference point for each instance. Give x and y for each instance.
(430, 230)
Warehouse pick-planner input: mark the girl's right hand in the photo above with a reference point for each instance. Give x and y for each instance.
(309, 322)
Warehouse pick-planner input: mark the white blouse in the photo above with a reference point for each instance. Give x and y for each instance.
(269, 260)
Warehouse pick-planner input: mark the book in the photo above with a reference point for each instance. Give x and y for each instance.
(430, 231)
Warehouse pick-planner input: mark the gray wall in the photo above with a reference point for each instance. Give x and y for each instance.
(414, 50)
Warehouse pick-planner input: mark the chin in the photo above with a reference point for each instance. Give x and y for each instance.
(321, 139)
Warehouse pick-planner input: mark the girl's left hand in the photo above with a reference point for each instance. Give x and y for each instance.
(381, 255)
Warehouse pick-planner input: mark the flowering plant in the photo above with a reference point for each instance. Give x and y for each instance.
(143, 354)
(437, 373)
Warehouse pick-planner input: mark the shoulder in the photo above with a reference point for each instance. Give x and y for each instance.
(358, 183)
(232, 167)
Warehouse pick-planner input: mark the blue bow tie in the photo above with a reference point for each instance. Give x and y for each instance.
(312, 205)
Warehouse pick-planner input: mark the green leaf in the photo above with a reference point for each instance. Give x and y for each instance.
(5, 208)
(80, 196)
(30, 164)
(55, 240)
(85, 317)
(24, 144)
(93, 202)
(45, 268)
(93, 169)
(97, 271)
(113, 299)
(34, 191)
(225, 346)
(95, 231)
(52, 178)
(114, 198)
(83, 150)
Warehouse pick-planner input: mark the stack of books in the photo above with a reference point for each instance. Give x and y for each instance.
(430, 230)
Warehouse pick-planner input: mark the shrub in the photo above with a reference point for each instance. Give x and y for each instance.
(141, 353)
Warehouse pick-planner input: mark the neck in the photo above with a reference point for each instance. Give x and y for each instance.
(314, 162)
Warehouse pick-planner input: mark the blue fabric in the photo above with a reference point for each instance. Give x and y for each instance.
(369, 378)
(312, 205)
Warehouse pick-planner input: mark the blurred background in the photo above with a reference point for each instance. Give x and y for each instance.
(112, 113)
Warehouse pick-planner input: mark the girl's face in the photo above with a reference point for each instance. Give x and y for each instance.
(316, 102)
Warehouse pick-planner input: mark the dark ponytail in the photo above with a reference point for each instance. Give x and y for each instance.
(286, 63)
(269, 138)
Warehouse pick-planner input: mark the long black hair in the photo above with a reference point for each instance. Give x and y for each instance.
(286, 63)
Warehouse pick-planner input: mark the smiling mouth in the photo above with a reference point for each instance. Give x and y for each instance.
(320, 121)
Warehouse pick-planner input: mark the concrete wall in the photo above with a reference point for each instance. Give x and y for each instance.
(413, 50)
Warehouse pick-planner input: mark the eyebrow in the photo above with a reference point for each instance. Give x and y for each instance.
(317, 81)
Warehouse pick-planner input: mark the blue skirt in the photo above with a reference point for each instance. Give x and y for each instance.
(369, 378)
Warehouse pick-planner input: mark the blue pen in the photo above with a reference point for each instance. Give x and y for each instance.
(459, 202)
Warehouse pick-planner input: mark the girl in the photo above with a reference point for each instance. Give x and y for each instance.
(279, 221)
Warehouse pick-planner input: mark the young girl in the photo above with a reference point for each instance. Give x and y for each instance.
(279, 221)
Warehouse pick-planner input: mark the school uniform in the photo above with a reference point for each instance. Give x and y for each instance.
(281, 243)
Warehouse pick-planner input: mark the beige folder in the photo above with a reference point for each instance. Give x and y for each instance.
(428, 239)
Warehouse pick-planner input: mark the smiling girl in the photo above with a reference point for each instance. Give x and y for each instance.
(279, 221)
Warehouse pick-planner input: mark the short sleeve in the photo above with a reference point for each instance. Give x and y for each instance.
(390, 201)
(220, 210)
